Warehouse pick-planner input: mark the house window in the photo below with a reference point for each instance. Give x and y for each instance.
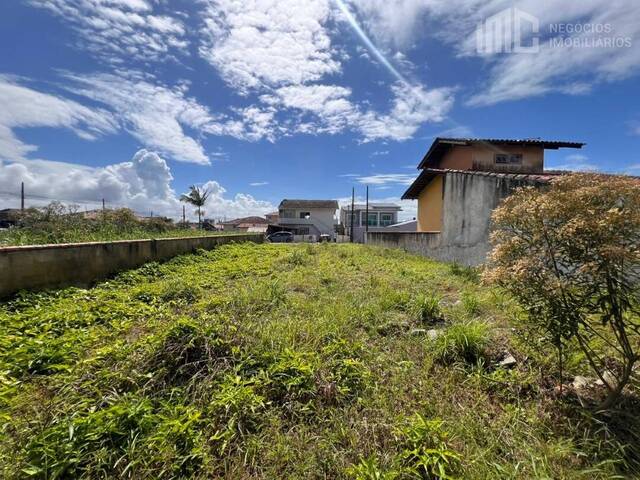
(305, 214)
(508, 159)
(373, 220)
(303, 230)
(515, 159)
(287, 213)
(386, 219)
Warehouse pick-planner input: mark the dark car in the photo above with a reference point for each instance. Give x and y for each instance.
(280, 237)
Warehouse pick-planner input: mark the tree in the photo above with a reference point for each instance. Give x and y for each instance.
(570, 254)
(197, 197)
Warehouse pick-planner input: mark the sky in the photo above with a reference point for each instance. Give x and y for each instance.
(259, 100)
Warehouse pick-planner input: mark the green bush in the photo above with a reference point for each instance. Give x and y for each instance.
(426, 453)
(462, 342)
(427, 309)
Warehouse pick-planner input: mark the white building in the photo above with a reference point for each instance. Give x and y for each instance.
(381, 215)
(308, 217)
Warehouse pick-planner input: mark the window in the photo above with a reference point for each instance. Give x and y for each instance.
(386, 219)
(373, 220)
(506, 159)
(303, 230)
(305, 214)
(515, 159)
(287, 214)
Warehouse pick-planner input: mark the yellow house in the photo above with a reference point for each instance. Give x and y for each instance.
(514, 157)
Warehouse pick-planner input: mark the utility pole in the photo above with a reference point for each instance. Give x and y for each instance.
(353, 196)
(184, 216)
(366, 215)
(22, 196)
(103, 208)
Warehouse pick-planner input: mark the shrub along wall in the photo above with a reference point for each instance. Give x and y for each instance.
(48, 266)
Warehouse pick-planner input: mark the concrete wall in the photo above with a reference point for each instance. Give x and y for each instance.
(49, 266)
(469, 200)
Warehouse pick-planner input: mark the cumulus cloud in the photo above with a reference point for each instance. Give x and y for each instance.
(118, 30)
(142, 184)
(275, 42)
(23, 107)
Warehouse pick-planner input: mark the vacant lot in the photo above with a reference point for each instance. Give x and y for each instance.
(290, 361)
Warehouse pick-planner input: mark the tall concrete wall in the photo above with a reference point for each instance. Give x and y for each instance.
(469, 200)
(49, 266)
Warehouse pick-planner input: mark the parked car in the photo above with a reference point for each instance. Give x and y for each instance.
(325, 237)
(281, 237)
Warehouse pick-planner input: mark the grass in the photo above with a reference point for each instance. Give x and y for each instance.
(20, 236)
(289, 361)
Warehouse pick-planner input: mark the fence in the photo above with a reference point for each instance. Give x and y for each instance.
(47, 266)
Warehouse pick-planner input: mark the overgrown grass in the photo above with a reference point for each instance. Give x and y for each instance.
(289, 361)
(57, 223)
(18, 236)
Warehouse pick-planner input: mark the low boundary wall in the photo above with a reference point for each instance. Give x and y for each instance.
(37, 267)
(429, 244)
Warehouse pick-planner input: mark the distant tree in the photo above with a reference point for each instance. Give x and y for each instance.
(570, 255)
(197, 197)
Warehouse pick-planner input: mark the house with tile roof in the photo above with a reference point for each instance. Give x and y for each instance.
(461, 182)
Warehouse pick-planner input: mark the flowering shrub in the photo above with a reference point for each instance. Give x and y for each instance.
(570, 255)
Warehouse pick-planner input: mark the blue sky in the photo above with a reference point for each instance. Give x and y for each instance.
(259, 100)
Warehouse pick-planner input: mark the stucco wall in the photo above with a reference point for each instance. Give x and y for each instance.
(430, 203)
(48, 266)
(469, 200)
(320, 221)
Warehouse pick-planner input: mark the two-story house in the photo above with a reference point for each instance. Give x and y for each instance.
(462, 180)
(380, 215)
(308, 217)
(513, 158)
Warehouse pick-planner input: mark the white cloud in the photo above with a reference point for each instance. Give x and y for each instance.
(258, 184)
(282, 51)
(154, 114)
(142, 184)
(268, 42)
(569, 70)
(413, 106)
(118, 30)
(24, 107)
(334, 112)
(576, 163)
(386, 179)
(161, 117)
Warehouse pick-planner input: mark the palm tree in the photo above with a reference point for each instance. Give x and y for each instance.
(197, 197)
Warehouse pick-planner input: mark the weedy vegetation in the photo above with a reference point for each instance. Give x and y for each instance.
(57, 223)
(292, 361)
